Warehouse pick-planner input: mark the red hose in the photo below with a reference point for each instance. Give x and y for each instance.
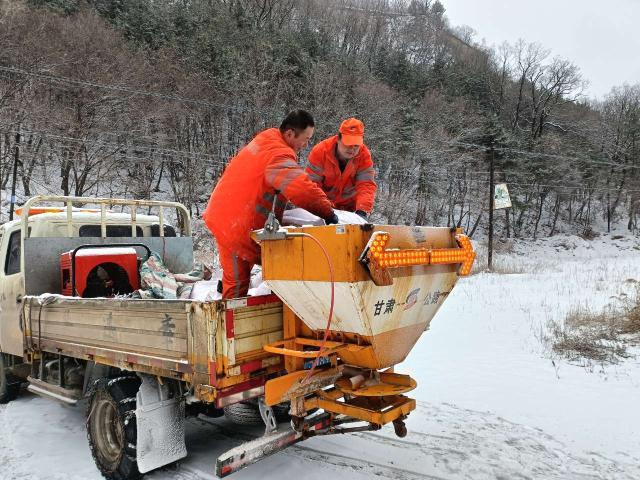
(328, 328)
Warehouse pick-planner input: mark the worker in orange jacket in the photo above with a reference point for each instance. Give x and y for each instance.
(341, 165)
(263, 172)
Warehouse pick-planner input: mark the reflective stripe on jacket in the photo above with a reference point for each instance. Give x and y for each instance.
(355, 187)
(242, 199)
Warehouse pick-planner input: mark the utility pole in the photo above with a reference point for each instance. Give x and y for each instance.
(608, 212)
(16, 159)
(491, 154)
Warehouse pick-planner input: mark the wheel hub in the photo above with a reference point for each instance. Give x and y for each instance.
(107, 430)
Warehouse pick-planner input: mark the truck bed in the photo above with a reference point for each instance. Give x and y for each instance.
(211, 344)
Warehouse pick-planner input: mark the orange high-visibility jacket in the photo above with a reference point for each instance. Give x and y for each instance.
(355, 187)
(244, 195)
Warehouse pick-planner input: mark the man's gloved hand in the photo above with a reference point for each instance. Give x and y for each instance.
(333, 219)
(362, 213)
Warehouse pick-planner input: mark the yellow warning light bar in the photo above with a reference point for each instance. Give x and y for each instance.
(379, 258)
(463, 255)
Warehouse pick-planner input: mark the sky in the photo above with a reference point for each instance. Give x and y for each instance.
(602, 38)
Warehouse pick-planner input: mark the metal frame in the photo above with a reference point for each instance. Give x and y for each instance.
(386, 410)
(103, 202)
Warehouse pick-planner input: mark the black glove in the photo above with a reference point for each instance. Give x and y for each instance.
(333, 219)
(362, 213)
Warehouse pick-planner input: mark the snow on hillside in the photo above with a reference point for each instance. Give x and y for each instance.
(491, 402)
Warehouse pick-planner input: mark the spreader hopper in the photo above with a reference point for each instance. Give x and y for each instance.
(357, 298)
(389, 282)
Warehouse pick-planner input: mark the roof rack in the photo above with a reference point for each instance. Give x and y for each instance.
(29, 209)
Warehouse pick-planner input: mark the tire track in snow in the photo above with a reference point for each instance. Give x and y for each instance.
(444, 441)
(10, 460)
(359, 464)
(461, 443)
(482, 445)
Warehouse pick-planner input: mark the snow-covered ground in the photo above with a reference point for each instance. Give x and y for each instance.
(491, 403)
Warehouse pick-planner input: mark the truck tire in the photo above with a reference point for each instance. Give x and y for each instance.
(248, 413)
(244, 413)
(282, 412)
(111, 426)
(9, 383)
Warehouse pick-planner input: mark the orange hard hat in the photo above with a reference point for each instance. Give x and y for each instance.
(352, 131)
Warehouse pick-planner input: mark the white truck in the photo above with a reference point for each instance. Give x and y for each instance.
(144, 365)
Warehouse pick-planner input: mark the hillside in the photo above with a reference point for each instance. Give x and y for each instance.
(150, 99)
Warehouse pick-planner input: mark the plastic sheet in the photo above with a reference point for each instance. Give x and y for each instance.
(299, 217)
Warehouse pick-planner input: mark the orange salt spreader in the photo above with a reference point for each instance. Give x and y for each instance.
(380, 285)
(356, 300)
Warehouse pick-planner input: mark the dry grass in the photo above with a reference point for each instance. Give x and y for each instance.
(507, 265)
(602, 337)
(589, 233)
(632, 323)
(589, 335)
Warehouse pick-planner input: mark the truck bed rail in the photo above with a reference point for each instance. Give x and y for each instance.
(104, 202)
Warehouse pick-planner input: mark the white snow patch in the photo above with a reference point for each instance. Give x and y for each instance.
(490, 403)
(102, 251)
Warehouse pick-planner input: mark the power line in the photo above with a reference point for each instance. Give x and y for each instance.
(217, 161)
(535, 154)
(120, 88)
(121, 146)
(441, 176)
(126, 89)
(220, 163)
(445, 175)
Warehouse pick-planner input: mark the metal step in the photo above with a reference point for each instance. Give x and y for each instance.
(45, 389)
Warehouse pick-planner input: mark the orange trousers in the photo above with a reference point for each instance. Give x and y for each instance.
(236, 272)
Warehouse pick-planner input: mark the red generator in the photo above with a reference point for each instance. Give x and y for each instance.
(91, 271)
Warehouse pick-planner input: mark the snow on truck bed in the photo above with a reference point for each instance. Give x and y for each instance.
(102, 251)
